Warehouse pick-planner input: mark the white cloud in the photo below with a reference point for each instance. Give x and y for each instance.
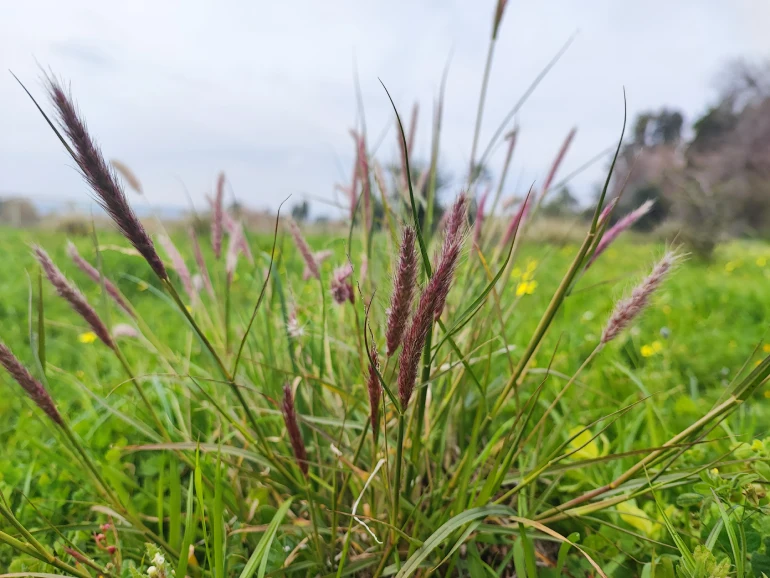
(179, 90)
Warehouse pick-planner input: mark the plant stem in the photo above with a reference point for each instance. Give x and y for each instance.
(480, 110)
(419, 414)
(49, 559)
(397, 483)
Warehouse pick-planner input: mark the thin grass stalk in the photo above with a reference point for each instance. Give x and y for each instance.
(20, 546)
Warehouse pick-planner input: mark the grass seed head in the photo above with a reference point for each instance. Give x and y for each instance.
(74, 297)
(33, 388)
(101, 178)
(217, 216)
(93, 273)
(304, 249)
(628, 309)
(295, 435)
(404, 287)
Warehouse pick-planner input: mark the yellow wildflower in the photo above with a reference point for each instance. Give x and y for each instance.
(651, 349)
(757, 446)
(87, 337)
(526, 288)
(761, 261)
(589, 449)
(142, 286)
(767, 394)
(527, 275)
(714, 471)
(766, 348)
(515, 273)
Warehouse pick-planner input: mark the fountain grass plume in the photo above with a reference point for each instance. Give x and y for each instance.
(624, 223)
(75, 298)
(93, 273)
(341, 287)
(101, 178)
(31, 386)
(304, 249)
(431, 301)
(404, 286)
(292, 426)
(628, 309)
(217, 216)
(454, 236)
(178, 264)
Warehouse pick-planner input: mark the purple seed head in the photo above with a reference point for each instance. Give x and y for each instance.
(217, 217)
(304, 249)
(631, 307)
(178, 264)
(74, 297)
(201, 262)
(295, 435)
(93, 273)
(100, 177)
(32, 387)
(613, 232)
(341, 287)
(404, 286)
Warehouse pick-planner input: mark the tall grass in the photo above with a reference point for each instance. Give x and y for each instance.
(277, 442)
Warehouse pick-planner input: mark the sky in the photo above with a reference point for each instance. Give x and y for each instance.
(179, 90)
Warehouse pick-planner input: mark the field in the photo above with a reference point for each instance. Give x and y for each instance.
(209, 484)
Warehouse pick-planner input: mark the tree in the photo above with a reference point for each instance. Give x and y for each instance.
(301, 211)
(563, 204)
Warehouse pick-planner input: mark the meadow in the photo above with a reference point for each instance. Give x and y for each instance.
(426, 389)
(704, 328)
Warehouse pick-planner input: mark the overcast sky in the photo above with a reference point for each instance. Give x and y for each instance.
(265, 91)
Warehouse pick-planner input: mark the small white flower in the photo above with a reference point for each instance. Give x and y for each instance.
(152, 572)
(158, 559)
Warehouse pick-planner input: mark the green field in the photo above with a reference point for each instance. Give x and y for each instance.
(704, 329)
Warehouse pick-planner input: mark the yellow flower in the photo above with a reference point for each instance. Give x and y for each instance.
(527, 275)
(589, 449)
(715, 471)
(526, 288)
(87, 337)
(761, 261)
(515, 273)
(757, 446)
(652, 349)
(634, 516)
(767, 394)
(766, 348)
(189, 309)
(142, 286)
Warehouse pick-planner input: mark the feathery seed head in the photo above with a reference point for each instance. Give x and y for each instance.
(613, 232)
(93, 273)
(74, 297)
(217, 216)
(304, 249)
(101, 178)
(341, 287)
(33, 388)
(628, 309)
(292, 426)
(177, 262)
(404, 285)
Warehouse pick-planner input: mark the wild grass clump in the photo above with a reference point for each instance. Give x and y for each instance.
(265, 434)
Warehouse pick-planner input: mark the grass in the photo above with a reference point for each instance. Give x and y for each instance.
(231, 437)
(668, 369)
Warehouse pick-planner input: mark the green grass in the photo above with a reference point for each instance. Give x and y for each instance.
(675, 363)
